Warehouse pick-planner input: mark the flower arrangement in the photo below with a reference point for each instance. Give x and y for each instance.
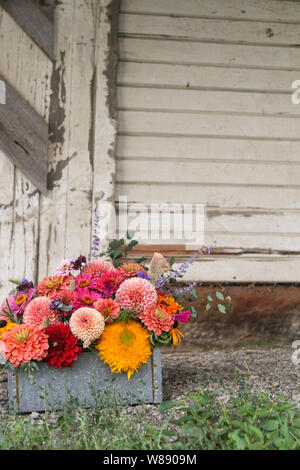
(119, 310)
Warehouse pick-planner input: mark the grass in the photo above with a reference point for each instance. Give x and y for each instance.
(201, 420)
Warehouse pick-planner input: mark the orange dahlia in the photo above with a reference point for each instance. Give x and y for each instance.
(39, 310)
(87, 324)
(53, 285)
(109, 308)
(130, 270)
(125, 347)
(167, 302)
(24, 343)
(157, 319)
(98, 267)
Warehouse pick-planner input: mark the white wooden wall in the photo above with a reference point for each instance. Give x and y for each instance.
(29, 70)
(205, 116)
(37, 231)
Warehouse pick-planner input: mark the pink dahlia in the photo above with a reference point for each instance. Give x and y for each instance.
(109, 283)
(157, 319)
(84, 298)
(87, 324)
(98, 267)
(137, 294)
(109, 308)
(39, 309)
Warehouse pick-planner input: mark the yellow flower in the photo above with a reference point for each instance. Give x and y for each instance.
(124, 346)
(176, 336)
(5, 325)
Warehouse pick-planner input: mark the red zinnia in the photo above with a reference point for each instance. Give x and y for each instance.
(63, 346)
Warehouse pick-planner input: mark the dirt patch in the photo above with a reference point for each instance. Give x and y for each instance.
(258, 313)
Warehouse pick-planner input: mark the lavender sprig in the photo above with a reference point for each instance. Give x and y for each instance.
(183, 267)
(96, 239)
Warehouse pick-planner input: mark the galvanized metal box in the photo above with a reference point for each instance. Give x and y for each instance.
(88, 383)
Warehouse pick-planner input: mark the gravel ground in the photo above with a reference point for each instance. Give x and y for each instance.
(267, 369)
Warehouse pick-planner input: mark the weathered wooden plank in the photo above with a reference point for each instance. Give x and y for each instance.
(191, 171)
(24, 137)
(29, 73)
(199, 29)
(187, 52)
(210, 101)
(233, 229)
(66, 212)
(213, 195)
(7, 180)
(32, 20)
(275, 10)
(80, 168)
(245, 268)
(139, 122)
(184, 76)
(207, 149)
(105, 118)
(47, 7)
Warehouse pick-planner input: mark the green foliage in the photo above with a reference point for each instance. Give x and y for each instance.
(162, 340)
(118, 249)
(201, 420)
(127, 315)
(247, 422)
(222, 307)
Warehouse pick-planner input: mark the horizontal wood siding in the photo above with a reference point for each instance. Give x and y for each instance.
(205, 116)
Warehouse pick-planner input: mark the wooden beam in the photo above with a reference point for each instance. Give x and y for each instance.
(24, 137)
(34, 21)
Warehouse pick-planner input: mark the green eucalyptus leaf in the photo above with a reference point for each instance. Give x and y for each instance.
(222, 308)
(116, 244)
(131, 245)
(219, 295)
(130, 234)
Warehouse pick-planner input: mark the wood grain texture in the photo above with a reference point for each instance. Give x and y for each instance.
(199, 29)
(24, 137)
(29, 72)
(105, 119)
(157, 123)
(199, 101)
(66, 211)
(208, 148)
(270, 10)
(206, 117)
(192, 53)
(191, 76)
(32, 20)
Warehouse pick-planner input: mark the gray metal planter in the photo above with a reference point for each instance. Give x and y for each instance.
(88, 383)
